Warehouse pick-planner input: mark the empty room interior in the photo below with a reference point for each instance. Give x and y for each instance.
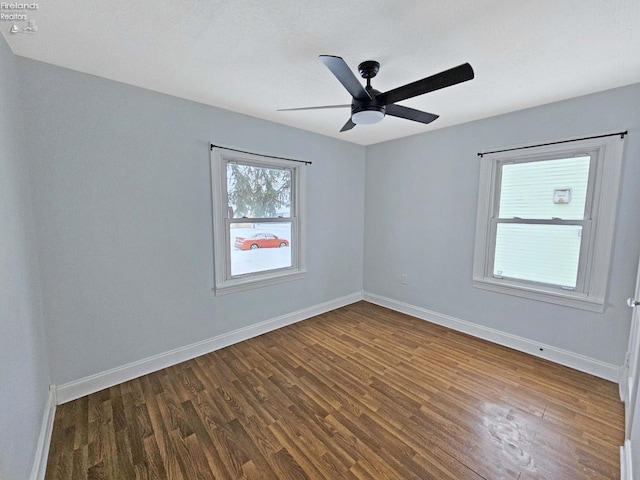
(320, 240)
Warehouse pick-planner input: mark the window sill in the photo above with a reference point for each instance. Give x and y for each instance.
(244, 284)
(564, 298)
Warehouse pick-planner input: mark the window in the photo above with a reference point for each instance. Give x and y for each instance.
(258, 219)
(545, 221)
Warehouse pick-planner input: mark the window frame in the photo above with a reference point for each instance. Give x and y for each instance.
(224, 282)
(598, 223)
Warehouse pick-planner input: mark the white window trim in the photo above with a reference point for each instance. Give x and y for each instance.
(223, 282)
(608, 160)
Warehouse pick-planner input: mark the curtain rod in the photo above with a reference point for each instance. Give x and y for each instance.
(306, 162)
(622, 134)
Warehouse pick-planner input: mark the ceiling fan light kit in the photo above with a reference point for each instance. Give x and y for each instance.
(367, 117)
(370, 106)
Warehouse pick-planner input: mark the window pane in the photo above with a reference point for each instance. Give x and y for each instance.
(260, 247)
(258, 192)
(539, 253)
(545, 189)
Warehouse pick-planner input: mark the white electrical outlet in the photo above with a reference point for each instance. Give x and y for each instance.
(404, 279)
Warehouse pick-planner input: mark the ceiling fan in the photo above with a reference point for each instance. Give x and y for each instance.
(370, 106)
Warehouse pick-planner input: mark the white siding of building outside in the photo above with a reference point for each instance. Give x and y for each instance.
(541, 253)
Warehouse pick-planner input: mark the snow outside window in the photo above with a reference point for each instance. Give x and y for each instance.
(545, 221)
(258, 219)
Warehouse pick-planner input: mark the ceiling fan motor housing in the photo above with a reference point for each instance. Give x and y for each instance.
(367, 110)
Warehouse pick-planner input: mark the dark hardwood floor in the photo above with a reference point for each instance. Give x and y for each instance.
(357, 393)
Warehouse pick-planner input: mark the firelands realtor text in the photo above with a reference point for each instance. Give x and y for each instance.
(13, 10)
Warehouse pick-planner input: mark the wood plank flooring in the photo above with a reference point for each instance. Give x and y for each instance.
(357, 393)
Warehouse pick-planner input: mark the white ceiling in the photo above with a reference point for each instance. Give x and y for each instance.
(255, 56)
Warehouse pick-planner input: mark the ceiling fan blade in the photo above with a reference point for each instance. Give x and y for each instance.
(348, 126)
(450, 77)
(410, 114)
(313, 108)
(345, 76)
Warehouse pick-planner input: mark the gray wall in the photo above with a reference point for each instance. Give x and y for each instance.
(24, 376)
(421, 196)
(122, 198)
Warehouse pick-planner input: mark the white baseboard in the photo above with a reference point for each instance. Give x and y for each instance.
(557, 355)
(44, 439)
(85, 386)
(626, 466)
